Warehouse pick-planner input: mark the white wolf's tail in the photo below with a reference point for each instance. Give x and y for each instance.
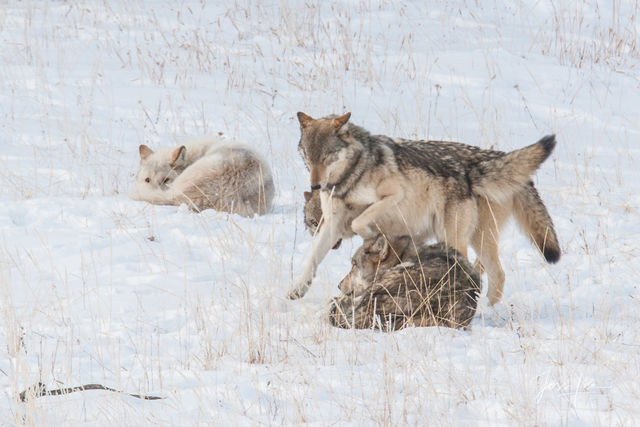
(499, 178)
(160, 197)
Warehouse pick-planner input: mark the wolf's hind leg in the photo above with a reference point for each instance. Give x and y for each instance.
(485, 243)
(459, 224)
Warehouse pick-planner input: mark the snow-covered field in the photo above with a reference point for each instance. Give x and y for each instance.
(97, 288)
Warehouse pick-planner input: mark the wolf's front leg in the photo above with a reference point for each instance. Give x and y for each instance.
(326, 238)
(390, 195)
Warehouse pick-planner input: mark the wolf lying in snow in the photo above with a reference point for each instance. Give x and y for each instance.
(206, 173)
(396, 284)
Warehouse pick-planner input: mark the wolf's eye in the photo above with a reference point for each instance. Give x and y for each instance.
(166, 181)
(147, 180)
(330, 158)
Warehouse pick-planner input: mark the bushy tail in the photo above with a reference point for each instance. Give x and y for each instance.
(499, 178)
(156, 197)
(532, 216)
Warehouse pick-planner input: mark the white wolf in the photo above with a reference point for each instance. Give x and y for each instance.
(205, 173)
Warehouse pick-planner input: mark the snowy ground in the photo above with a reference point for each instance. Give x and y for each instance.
(97, 288)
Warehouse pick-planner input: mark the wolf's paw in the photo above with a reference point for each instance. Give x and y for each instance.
(494, 297)
(299, 290)
(294, 294)
(495, 315)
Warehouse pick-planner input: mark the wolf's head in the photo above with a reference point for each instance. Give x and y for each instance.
(375, 256)
(325, 147)
(158, 169)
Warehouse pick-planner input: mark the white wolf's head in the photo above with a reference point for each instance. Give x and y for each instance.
(158, 169)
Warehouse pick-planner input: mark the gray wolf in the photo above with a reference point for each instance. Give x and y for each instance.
(396, 284)
(530, 213)
(206, 173)
(457, 193)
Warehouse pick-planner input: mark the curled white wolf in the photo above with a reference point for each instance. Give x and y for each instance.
(206, 173)
(457, 193)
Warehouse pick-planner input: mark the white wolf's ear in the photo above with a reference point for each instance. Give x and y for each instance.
(178, 155)
(304, 119)
(144, 151)
(340, 121)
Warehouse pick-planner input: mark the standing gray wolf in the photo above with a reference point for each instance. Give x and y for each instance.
(454, 192)
(206, 173)
(394, 284)
(530, 213)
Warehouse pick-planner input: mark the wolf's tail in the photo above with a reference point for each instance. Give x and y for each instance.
(500, 177)
(532, 216)
(156, 197)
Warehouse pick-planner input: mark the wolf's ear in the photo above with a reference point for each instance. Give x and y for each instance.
(307, 196)
(380, 247)
(144, 151)
(402, 246)
(304, 119)
(340, 121)
(178, 155)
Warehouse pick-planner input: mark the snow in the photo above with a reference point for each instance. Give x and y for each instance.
(98, 288)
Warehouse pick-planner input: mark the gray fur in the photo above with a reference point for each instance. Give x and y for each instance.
(532, 216)
(407, 286)
(457, 193)
(312, 213)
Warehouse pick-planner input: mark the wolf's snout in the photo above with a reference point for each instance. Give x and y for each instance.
(317, 177)
(345, 285)
(134, 193)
